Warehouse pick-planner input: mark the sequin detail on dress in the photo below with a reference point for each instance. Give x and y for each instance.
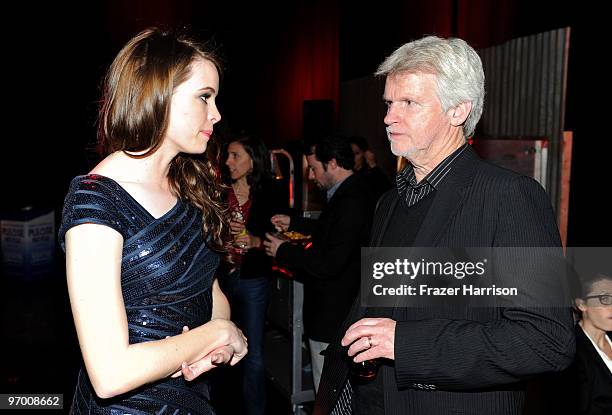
(166, 278)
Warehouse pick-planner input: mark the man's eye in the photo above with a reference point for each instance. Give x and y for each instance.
(402, 104)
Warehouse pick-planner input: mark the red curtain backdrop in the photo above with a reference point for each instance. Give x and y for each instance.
(305, 66)
(126, 18)
(484, 23)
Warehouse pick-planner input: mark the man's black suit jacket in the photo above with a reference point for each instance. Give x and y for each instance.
(330, 268)
(474, 358)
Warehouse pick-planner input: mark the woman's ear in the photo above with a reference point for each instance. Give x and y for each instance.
(580, 304)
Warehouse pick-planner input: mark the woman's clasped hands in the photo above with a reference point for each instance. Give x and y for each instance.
(231, 353)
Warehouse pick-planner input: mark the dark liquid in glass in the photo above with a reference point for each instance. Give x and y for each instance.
(365, 371)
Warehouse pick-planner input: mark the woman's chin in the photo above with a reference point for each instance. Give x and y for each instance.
(236, 177)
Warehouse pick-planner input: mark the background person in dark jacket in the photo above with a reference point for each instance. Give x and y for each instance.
(330, 268)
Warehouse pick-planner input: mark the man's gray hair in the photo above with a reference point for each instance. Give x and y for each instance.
(458, 70)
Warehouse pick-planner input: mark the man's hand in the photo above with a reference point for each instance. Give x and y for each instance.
(271, 244)
(370, 338)
(281, 222)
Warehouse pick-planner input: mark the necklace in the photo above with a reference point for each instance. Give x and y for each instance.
(242, 193)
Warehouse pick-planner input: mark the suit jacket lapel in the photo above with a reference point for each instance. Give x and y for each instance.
(447, 199)
(387, 207)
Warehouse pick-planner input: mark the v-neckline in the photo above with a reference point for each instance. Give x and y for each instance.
(124, 190)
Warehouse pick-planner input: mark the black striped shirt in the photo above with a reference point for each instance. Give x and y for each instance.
(413, 192)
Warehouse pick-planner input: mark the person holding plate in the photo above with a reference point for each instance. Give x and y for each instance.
(329, 267)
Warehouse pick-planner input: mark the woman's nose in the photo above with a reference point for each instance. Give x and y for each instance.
(214, 115)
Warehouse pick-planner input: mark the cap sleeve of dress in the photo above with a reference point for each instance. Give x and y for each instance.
(91, 199)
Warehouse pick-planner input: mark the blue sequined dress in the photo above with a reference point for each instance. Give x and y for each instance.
(167, 273)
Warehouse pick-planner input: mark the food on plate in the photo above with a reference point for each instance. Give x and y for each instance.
(295, 236)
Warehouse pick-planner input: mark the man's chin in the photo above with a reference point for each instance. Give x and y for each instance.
(401, 152)
(407, 153)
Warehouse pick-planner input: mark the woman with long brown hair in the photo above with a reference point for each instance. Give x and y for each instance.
(140, 233)
(247, 269)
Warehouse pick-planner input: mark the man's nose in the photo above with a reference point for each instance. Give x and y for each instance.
(391, 116)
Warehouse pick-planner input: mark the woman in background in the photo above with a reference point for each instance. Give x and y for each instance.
(593, 346)
(139, 233)
(248, 268)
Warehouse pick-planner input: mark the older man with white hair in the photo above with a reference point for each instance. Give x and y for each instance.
(453, 359)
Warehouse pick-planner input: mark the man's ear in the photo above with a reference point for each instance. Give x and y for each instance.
(580, 304)
(332, 164)
(459, 113)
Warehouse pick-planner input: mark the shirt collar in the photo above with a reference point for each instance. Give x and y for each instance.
(412, 191)
(332, 190)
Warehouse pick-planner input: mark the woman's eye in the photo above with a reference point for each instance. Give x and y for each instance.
(205, 97)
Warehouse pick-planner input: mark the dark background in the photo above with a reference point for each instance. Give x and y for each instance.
(55, 55)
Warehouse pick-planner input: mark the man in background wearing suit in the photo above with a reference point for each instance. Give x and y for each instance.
(329, 268)
(447, 359)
